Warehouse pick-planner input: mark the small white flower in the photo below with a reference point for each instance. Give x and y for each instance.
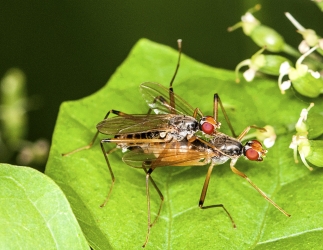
(300, 142)
(269, 142)
(285, 85)
(270, 136)
(303, 117)
(249, 75)
(303, 47)
(321, 43)
(284, 68)
(248, 18)
(315, 74)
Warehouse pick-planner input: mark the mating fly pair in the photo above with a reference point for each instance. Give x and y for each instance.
(176, 135)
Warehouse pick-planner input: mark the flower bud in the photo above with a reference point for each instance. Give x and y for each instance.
(310, 37)
(309, 150)
(314, 125)
(263, 35)
(268, 64)
(304, 80)
(315, 154)
(268, 137)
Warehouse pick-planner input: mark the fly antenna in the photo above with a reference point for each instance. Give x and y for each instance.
(179, 44)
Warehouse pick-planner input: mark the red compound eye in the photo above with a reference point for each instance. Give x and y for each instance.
(207, 128)
(252, 154)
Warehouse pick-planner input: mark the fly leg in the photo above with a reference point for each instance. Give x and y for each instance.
(116, 112)
(109, 167)
(148, 176)
(203, 194)
(106, 153)
(246, 130)
(237, 172)
(171, 90)
(171, 104)
(216, 102)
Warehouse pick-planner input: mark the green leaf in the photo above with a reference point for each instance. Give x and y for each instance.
(122, 223)
(35, 213)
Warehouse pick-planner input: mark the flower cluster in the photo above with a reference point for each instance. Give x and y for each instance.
(305, 77)
(305, 140)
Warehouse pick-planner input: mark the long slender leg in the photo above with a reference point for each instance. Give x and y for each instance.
(171, 91)
(116, 112)
(116, 140)
(171, 104)
(216, 102)
(148, 176)
(236, 171)
(246, 130)
(203, 194)
(110, 170)
(197, 111)
(159, 193)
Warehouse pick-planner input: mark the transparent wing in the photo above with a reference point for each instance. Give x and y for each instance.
(167, 154)
(158, 99)
(131, 124)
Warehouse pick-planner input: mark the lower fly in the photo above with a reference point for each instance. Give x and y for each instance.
(176, 135)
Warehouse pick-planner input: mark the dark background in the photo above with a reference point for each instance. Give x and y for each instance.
(69, 49)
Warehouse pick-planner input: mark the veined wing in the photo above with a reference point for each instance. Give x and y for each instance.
(158, 99)
(130, 124)
(167, 154)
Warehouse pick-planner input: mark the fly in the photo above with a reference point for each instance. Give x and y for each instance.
(176, 135)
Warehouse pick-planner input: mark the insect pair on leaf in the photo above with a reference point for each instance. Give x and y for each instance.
(176, 135)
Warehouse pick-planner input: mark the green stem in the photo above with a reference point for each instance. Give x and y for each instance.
(291, 51)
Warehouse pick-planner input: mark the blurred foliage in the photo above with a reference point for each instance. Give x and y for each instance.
(14, 105)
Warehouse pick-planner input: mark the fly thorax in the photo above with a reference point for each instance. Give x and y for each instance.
(227, 145)
(183, 127)
(184, 123)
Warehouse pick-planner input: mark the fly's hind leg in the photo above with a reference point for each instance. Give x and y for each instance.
(116, 112)
(106, 153)
(148, 177)
(203, 194)
(145, 166)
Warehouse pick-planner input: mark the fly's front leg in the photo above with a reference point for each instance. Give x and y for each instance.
(203, 195)
(216, 103)
(197, 111)
(116, 112)
(246, 130)
(171, 90)
(148, 176)
(171, 105)
(237, 172)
